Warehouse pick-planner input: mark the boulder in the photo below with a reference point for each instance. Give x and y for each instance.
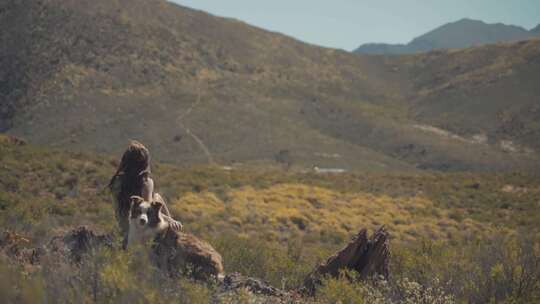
(236, 281)
(70, 247)
(184, 254)
(79, 242)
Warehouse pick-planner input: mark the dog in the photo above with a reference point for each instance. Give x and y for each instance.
(145, 220)
(176, 252)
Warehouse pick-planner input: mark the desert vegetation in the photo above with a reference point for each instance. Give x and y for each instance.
(456, 237)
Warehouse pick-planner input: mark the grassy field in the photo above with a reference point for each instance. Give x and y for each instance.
(277, 224)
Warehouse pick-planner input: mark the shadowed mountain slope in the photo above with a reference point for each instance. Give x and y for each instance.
(489, 93)
(197, 88)
(460, 34)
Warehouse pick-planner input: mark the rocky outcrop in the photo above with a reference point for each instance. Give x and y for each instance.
(78, 243)
(368, 256)
(235, 281)
(176, 252)
(16, 247)
(181, 253)
(72, 246)
(11, 140)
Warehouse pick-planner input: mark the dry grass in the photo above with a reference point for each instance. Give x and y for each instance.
(283, 210)
(277, 225)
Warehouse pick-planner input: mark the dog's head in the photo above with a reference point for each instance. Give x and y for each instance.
(146, 214)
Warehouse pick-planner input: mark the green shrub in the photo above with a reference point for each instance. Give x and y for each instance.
(281, 265)
(498, 269)
(348, 289)
(343, 290)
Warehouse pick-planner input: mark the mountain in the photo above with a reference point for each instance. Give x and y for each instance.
(90, 75)
(461, 34)
(536, 29)
(488, 93)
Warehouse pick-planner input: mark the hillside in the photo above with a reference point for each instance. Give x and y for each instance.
(136, 69)
(460, 34)
(488, 94)
(195, 88)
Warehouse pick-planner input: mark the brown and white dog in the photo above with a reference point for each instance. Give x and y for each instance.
(172, 250)
(145, 220)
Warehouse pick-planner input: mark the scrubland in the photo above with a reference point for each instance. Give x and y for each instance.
(456, 237)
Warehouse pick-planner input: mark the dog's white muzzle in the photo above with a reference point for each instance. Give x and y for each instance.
(143, 219)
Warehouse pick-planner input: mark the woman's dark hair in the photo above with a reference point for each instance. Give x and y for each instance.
(135, 164)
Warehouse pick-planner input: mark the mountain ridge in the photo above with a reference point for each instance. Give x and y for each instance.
(460, 34)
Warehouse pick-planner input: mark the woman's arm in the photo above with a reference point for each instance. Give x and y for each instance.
(176, 225)
(166, 210)
(148, 188)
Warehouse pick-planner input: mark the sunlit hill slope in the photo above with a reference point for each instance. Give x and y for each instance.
(89, 75)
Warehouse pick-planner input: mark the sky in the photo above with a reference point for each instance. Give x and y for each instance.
(346, 24)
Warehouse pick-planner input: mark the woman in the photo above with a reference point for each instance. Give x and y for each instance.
(133, 178)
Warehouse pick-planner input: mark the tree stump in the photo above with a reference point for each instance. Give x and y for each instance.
(367, 256)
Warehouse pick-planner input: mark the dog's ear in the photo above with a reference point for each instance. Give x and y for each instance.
(135, 200)
(157, 205)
